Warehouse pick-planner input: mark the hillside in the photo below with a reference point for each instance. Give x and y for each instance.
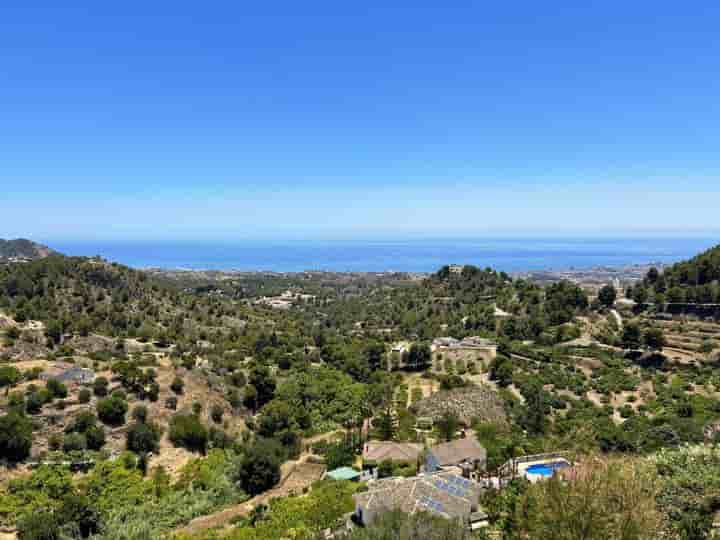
(23, 249)
(230, 400)
(695, 281)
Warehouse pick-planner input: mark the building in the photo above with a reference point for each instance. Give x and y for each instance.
(375, 452)
(456, 268)
(467, 454)
(444, 494)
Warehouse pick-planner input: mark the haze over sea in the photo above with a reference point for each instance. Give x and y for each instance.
(508, 254)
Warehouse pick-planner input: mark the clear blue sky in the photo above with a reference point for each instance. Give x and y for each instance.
(186, 120)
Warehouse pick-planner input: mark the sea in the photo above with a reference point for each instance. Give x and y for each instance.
(415, 255)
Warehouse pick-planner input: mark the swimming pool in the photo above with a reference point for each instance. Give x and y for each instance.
(546, 469)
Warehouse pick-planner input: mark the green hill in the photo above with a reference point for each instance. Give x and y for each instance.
(696, 280)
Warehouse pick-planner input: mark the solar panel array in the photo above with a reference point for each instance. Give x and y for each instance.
(432, 504)
(451, 489)
(462, 482)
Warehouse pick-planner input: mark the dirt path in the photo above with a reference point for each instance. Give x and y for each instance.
(296, 476)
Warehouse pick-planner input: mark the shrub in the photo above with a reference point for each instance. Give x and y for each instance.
(142, 438)
(385, 469)
(259, 467)
(56, 388)
(55, 442)
(95, 437)
(112, 410)
(84, 396)
(82, 422)
(171, 403)
(140, 413)
(34, 403)
(43, 525)
(74, 442)
(216, 413)
(177, 385)
(15, 437)
(187, 430)
(100, 387)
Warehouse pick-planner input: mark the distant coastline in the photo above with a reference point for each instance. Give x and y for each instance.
(511, 255)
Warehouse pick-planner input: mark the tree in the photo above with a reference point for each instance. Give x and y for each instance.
(112, 410)
(259, 467)
(216, 413)
(100, 387)
(15, 437)
(56, 388)
(264, 383)
(374, 353)
(535, 408)
(250, 397)
(654, 339)
(74, 442)
(41, 525)
(95, 437)
(607, 296)
(339, 454)
(140, 413)
(142, 438)
(77, 511)
(188, 431)
(385, 469)
(448, 425)
(177, 385)
(501, 371)
(386, 424)
(84, 396)
(419, 357)
(9, 376)
(631, 338)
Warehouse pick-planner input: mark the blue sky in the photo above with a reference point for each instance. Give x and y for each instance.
(178, 120)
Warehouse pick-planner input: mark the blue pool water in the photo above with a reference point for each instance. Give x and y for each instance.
(546, 469)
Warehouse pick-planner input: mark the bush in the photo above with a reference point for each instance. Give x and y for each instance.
(187, 430)
(55, 442)
(177, 385)
(112, 410)
(56, 389)
(216, 413)
(95, 437)
(15, 437)
(385, 469)
(100, 387)
(171, 403)
(34, 403)
(82, 422)
(142, 438)
(74, 442)
(41, 525)
(84, 396)
(259, 467)
(140, 413)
